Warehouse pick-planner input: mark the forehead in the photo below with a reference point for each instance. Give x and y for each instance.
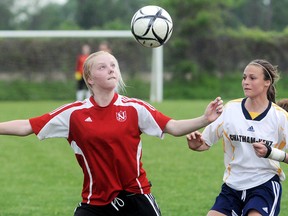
(104, 58)
(253, 69)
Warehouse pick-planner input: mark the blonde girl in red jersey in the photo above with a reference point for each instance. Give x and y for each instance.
(104, 132)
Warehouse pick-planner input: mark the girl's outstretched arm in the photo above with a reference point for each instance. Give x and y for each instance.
(186, 126)
(16, 128)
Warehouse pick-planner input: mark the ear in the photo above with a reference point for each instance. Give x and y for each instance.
(267, 83)
(89, 81)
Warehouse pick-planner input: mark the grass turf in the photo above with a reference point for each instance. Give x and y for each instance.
(43, 177)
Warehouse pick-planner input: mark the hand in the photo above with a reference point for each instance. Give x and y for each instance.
(78, 75)
(260, 149)
(214, 109)
(195, 140)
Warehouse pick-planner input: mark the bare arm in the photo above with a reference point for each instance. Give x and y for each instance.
(183, 127)
(195, 142)
(16, 127)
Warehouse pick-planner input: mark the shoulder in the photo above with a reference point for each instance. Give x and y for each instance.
(278, 108)
(280, 111)
(234, 103)
(135, 102)
(71, 107)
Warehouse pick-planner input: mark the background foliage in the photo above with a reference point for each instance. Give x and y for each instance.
(211, 40)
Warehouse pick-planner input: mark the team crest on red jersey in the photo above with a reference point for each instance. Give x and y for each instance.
(121, 116)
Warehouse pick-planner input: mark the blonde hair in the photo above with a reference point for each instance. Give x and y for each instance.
(87, 71)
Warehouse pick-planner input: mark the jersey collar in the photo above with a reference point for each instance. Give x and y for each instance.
(99, 107)
(259, 117)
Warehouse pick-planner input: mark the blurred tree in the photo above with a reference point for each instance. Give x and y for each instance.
(270, 15)
(200, 17)
(204, 16)
(69, 12)
(280, 15)
(255, 13)
(6, 21)
(45, 18)
(34, 15)
(195, 20)
(105, 13)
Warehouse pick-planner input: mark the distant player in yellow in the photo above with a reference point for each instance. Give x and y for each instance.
(251, 181)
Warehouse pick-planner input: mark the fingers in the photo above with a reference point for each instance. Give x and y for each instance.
(218, 98)
(188, 137)
(196, 135)
(260, 149)
(219, 105)
(214, 110)
(258, 145)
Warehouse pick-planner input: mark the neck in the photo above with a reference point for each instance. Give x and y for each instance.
(103, 100)
(256, 104)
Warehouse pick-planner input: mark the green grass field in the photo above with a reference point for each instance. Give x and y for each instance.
(43, 178)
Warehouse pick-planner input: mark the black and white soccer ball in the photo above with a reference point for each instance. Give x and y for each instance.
(151, 26)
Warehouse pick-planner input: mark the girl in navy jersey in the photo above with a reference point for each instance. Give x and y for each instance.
(104, 132)
(248, 125)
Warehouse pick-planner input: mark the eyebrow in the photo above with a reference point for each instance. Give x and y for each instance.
(265, 69)
(99, 63)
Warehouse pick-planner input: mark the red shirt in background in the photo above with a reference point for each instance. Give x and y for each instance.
(80, 62)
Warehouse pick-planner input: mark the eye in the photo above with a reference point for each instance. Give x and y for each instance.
(101, 67)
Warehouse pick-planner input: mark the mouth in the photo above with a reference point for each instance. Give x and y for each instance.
(110, 78)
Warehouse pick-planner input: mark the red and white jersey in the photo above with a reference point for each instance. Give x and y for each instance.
(244, 169)
(106, 142)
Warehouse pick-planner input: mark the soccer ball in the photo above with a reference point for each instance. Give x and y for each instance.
(151, 26)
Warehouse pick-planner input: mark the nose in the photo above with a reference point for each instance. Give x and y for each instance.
(245, 81)
(111, 70)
